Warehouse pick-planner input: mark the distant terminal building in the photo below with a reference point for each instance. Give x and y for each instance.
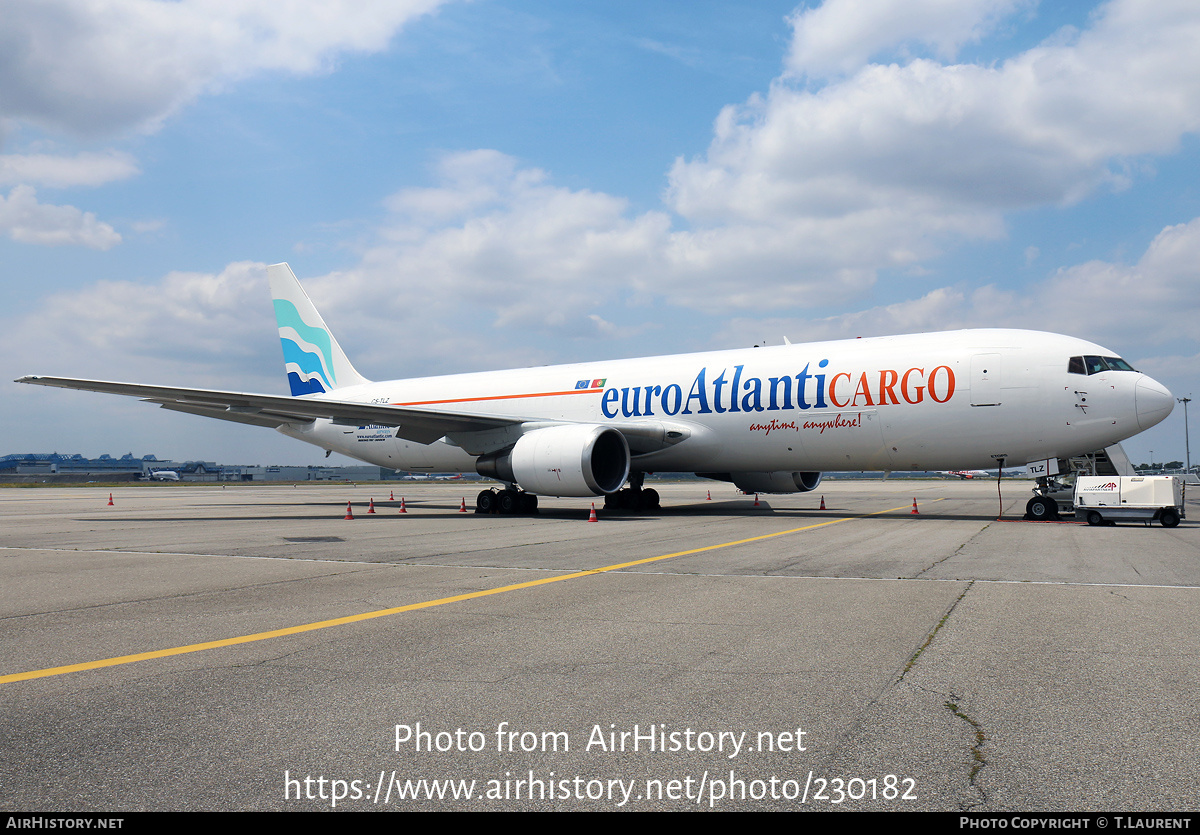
(40, 466)
(243, 472)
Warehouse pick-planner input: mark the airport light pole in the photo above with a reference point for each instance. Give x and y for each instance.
(1187, 446)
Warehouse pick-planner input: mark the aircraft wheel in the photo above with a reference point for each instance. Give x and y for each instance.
(508, 501)
(650, 499)
(1094, 518)
(485, 502)
(1042, 508)
(1169, 518)
(528, 503)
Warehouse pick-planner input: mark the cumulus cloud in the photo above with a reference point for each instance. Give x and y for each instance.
(1129, 307)
(85, 169)
(808, 191)
(28, 221)
(1154, 301)
(840, 36)
(893, 164)
(186, 326)
(1048, 126)
(211, 308)
(470, 182)
(97, 66)
(500, 236)
(503, 238)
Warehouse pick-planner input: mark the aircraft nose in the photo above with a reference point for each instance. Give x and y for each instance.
(1153, 401)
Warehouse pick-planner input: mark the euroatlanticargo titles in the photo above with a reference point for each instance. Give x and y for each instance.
(708, 394)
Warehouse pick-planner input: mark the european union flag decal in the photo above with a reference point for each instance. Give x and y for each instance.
(582, 384)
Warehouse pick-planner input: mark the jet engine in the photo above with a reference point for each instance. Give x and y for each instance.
(568, 460)
(774, 482)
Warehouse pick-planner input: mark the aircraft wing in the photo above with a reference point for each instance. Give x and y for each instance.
(419, 425)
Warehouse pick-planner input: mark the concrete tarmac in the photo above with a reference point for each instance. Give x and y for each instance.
(199, 648)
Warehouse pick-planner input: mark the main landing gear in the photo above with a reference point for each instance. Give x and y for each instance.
(633, 497)
(507, 501)
(512, 500)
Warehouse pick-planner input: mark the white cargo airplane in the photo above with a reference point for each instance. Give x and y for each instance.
(767, 419)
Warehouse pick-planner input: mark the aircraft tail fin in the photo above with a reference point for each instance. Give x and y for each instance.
(311, 356)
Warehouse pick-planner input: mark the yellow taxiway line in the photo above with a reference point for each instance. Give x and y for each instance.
(412, 607)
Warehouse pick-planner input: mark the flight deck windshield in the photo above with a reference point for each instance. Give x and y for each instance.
(1094, 365)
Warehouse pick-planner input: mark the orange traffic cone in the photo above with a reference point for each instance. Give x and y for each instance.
(592, 514)
(349, 513)
(110, 504)
(403, 509)
(914, 512)
(371, 506)
(709, 499)
(391, 495)
(463, 507)
(822, 503)
(756, 500)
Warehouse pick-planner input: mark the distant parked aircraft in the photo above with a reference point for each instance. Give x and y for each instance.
(965, 473)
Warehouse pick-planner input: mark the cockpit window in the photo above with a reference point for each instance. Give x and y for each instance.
(1094, 365)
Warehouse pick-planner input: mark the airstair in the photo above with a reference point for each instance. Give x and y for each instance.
(1110, 461)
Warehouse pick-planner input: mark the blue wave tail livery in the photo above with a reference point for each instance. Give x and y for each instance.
(314, 361)
(768, 419)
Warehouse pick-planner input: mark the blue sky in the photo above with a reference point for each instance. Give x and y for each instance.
(488, 184)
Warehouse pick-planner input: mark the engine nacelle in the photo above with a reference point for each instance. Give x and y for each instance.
(776, 482)
(568, 460)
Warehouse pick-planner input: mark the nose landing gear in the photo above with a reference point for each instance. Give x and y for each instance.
(1042, 509)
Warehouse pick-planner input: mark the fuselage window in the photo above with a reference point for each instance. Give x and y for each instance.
(1075, 366)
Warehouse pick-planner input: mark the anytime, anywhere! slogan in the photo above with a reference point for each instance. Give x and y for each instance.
(835, 422)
